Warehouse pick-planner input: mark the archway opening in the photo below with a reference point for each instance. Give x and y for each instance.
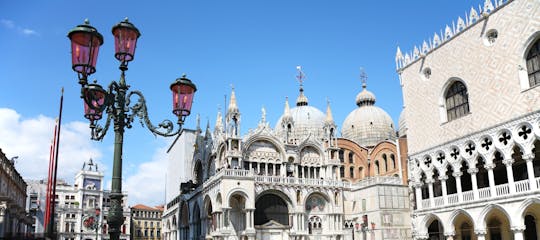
(482, 178)
(500, 169)
(437, 189)
(530, 220)
(237, 216)
(464, 227)
(498, 226)
(435, 230)
(530, 228)
(271, 207)
(466, 183)
(451, 181)
(536, 160)
(197, 222)
(519, 167)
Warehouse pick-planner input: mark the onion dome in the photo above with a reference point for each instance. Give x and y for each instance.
(301, 121)
(368, 124)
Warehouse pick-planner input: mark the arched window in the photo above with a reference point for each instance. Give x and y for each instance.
(351, 172)
(351, 157)
(377, 169)
(457, 101)
(533, 64)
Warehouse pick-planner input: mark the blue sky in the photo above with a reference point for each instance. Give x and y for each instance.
(254, 45)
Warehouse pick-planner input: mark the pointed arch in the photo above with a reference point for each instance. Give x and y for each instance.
(455, 215)
(454, 100)
(487, 210)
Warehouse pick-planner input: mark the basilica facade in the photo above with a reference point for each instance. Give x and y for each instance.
(472, 111)
(296, 180)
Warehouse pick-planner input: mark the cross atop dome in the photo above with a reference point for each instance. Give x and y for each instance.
(302, 99)
(363, 77)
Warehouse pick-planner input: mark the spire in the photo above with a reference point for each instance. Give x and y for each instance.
(207, 134)
(219, 121)
(287, 111)
(301, 100)
(263, 115)
(198, 123)
(329, 117)
(233, 107)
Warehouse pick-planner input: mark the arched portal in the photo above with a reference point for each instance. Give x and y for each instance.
(497, 225)
(237, 215)
(530, 214)
(271, 207)
(435, 230)
(464, 226)
(197, 231)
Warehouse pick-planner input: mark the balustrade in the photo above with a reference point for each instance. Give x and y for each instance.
(426, 203)
(468, 196)
(522, 186)
(503, 189)
(439, 201)
(452, 198)
(484, 193)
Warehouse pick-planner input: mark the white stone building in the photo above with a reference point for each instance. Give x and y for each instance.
(472, 111)
(81, 209)
(295, 181)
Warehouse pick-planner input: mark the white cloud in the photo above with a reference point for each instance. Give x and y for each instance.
(27, 31)
(147, 185)
(30, 139)
(7, 23)
(11, 25)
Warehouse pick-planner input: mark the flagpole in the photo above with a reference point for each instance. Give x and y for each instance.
(53, 195)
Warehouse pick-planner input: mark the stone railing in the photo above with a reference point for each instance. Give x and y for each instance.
(501, 191)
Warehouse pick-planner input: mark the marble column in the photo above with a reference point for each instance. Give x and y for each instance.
(418, 194)
(530, 171)
(491, 178)
(510, 174)
(474, 182)
(430, 190)
(457, 176)
(518, 232)
(443, 179)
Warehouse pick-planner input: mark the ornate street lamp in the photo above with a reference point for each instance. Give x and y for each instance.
(115, 100)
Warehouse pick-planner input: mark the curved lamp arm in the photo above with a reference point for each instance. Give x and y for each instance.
(98, 132)
(165, 128)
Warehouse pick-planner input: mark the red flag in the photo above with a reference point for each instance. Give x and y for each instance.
(53, 167)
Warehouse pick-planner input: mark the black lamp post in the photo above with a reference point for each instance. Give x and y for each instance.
(115, 101)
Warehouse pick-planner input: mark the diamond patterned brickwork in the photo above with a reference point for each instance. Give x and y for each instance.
(491, 74)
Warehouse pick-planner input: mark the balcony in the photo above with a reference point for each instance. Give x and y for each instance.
(501, 191)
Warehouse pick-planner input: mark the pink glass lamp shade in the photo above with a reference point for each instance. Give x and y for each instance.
(125, 40)
(94, 102)
(85, 43)
(183, 91)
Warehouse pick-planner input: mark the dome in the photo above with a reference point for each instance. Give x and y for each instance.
(368, 124)
(306, 120)
(402, 130)
(365, 97)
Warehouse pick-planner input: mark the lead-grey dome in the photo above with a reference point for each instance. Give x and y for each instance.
(304, 119)
(368, 124)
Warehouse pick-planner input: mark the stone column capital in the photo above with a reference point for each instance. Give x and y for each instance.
(443, 177)
(528, 157)
(457, 174)
(489, 166)
(480, 232)
(518, 229)
(472, 171)
(508, 162)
